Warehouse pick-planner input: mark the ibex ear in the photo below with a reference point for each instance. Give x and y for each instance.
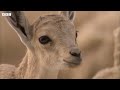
(69, 14)
(20, 24)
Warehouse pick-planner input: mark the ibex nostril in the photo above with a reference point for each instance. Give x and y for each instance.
(75, 52)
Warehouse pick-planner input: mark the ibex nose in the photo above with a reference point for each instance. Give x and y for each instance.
(75, 52)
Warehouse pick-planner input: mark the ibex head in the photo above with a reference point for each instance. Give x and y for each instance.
(52, 38)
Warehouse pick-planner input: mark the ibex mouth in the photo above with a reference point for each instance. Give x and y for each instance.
(72, 63)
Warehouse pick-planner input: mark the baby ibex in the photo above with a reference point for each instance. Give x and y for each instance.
(50, 42)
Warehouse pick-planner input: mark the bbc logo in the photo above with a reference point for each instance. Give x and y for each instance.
(6, 14)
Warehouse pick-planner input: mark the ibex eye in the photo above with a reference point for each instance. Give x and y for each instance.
(44, 39)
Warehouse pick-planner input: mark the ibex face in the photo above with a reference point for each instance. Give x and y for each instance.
(52, 38)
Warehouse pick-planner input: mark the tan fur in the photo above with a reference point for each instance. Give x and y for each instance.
(7, 71)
